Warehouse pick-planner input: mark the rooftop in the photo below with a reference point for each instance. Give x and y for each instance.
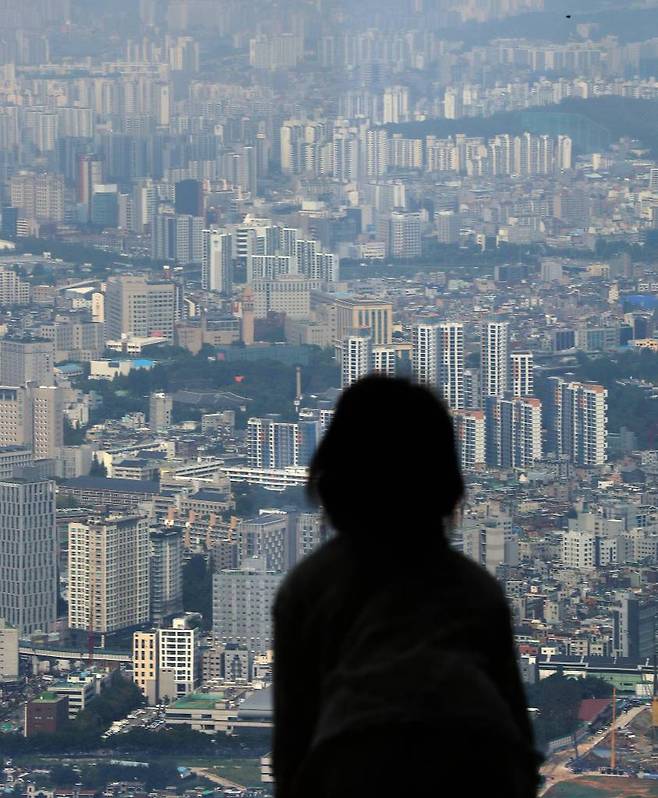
(198, 701)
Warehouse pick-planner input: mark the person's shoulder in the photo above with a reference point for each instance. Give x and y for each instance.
(473, 577)
(317, 570)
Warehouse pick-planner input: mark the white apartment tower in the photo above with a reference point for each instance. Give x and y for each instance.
(438, 359)
(356, 357)
(576, 420)
(513, 427)
(521, 376)
(470, 438)
(494, 358)
(217, 261)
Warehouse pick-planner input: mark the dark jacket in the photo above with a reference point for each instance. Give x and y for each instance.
(391, 641)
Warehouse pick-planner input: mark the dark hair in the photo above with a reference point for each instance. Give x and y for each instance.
(388, 458)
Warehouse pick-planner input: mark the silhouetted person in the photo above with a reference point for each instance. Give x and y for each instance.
(395, 671)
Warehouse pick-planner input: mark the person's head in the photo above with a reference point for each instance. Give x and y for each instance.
(388, 458)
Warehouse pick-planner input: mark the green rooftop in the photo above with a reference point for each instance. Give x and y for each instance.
(198, 701)
(48, 696)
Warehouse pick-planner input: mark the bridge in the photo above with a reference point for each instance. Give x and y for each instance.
(51, 652)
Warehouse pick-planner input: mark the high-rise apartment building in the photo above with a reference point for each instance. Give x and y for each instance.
(356, 357)
(521, 374)
(28, 554)
(38, 196)
(396, 104)
(451, 364)
(217, 261)
(108, 574)
(470, 437)
(491, 542)
(425, 353)
(166, 573)
(272, 443)
(13, 290)
(177, 237)
(384, 361)
(513, 428)
(494, 353)
(242, 605)
(178, 651)
(438, 359)
(576, 421)
(166, 661)
(405, 235)
(137, 306)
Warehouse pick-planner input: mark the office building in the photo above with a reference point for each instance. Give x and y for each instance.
(161, 406)
(108, 563)
(242, 605)
(268, 536)
(356, 357)
(166, 573)
(15, 417)
(137, 306)
(634, 622)
(188, 197)
(289, 294)
(28, 554)
(576, 421)
(105, 205)
(494, 353)
(26, 360)
(47, 714)
(217, 261)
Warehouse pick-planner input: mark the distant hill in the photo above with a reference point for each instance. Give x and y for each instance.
(593, 124)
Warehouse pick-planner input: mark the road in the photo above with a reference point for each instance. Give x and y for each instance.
(555, 769)
(208, 774)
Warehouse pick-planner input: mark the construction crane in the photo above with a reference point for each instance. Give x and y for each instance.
(613, 732)
(654, 703)
(92, 601)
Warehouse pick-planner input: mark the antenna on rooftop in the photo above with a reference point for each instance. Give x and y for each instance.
(298, 388)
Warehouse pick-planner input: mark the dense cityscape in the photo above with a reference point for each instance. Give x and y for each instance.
(215, 216)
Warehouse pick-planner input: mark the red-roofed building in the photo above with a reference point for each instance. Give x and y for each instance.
(591, 709)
